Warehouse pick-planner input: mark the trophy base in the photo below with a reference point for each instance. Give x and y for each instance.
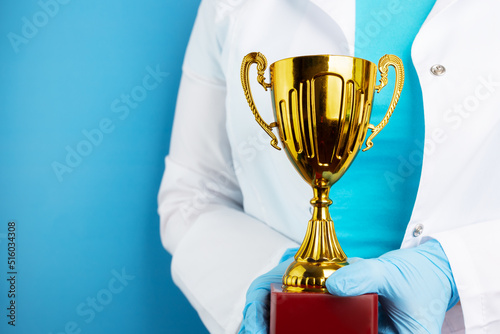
(302, 276)
(310, 312)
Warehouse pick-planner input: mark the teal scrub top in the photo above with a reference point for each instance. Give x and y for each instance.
(373, 201)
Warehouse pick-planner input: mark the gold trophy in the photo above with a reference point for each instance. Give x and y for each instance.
(322, 106)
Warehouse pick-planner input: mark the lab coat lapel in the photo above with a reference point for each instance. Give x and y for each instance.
(344, 14)
(340, 11)
(440, 6)
(337, 9)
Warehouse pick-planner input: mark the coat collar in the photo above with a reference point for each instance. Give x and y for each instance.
(340, 10)
(440, 6)
(344, 13)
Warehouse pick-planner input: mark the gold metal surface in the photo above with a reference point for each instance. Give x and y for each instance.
(383, 66)
(261, 61)
(322, 107)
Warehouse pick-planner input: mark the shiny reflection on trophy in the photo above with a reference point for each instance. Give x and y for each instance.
(322, 106)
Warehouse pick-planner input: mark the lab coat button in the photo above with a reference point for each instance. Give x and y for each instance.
(417, 231)
(438, 69)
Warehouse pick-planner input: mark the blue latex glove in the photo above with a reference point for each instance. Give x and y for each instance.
(415, 287)
(256, 312)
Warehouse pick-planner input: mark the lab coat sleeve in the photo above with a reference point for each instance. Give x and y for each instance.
(217, 248)
(474, 258)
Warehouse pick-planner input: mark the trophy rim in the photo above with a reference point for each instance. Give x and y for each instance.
(320, 55)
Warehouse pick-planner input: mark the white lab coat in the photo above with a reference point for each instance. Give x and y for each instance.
(230, 204)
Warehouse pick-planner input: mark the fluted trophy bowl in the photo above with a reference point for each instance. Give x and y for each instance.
(322, 106)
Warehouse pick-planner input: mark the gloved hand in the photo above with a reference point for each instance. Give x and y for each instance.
(415, 287)
(256, 312)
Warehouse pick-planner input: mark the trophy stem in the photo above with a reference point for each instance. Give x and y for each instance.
(320, 253)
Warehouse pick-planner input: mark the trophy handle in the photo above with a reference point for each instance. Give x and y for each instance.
(383, 67)
(261, 61)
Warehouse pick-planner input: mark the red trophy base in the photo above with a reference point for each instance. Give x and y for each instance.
(310, 312)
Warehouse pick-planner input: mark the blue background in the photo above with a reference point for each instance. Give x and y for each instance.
(82, 226)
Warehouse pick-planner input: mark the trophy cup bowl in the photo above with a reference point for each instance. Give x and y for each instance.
(322, 106)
